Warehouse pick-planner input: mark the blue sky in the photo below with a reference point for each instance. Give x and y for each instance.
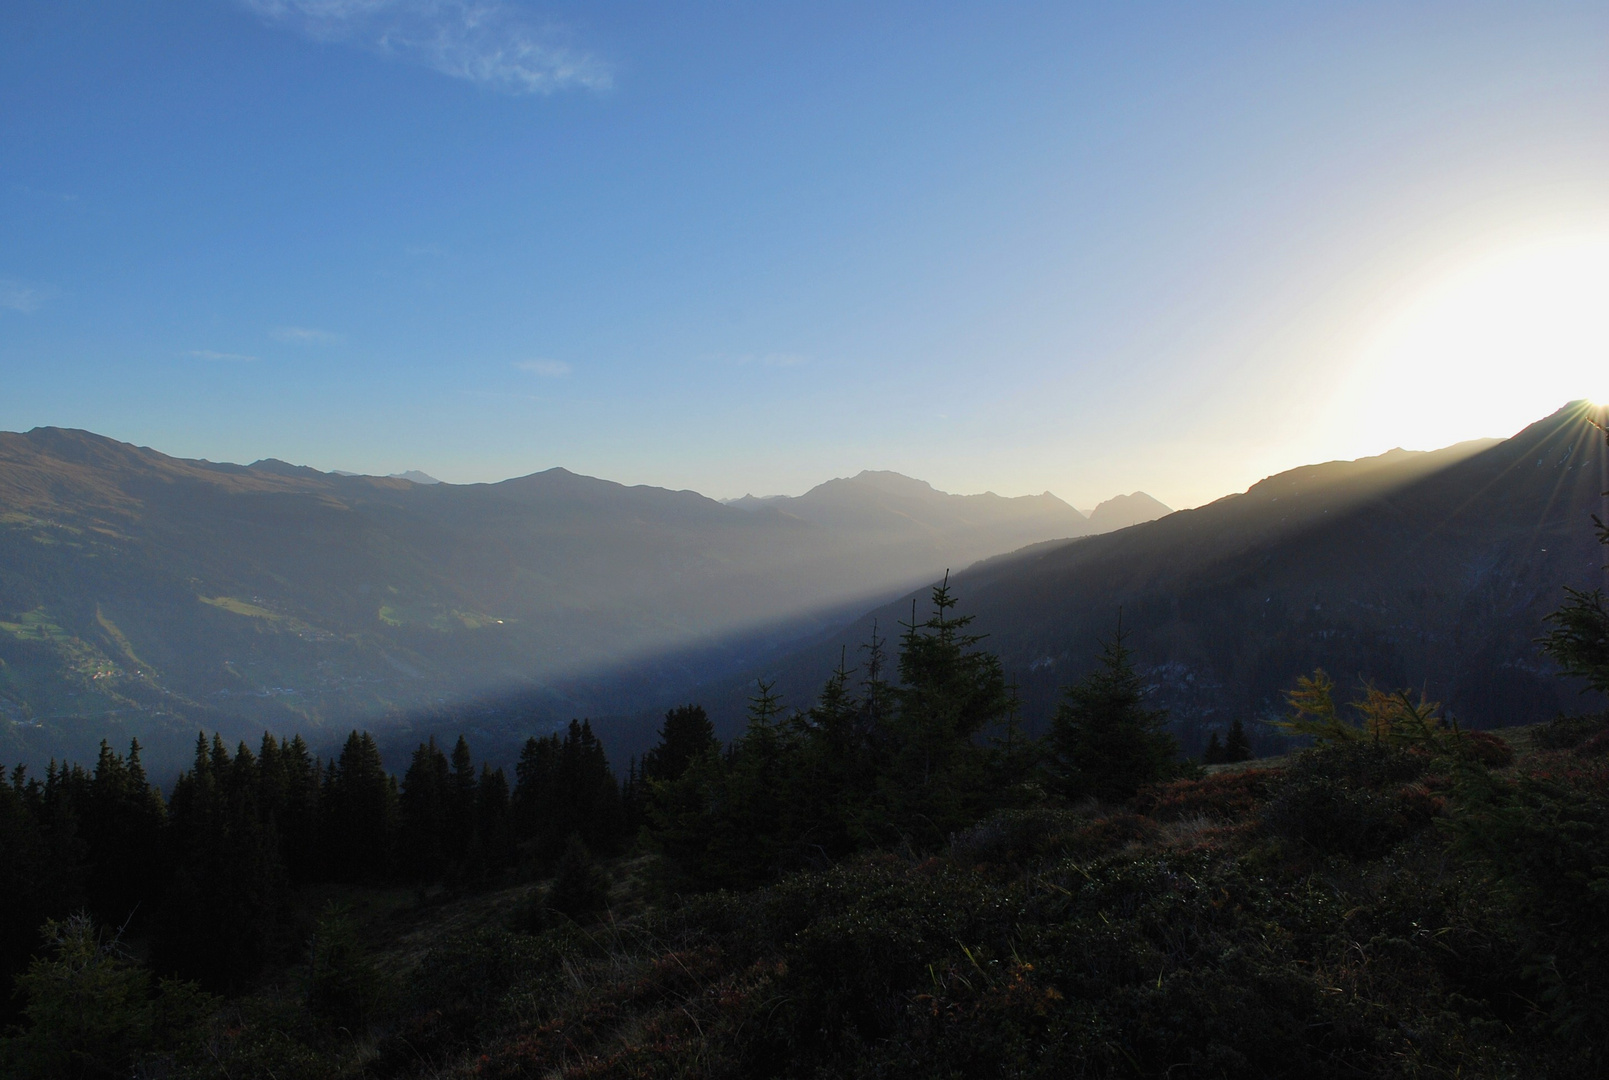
(747, 247)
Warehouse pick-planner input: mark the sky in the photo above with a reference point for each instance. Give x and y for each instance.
(1083, 248)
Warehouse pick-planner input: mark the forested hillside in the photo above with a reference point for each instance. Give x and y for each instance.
(144, 595)
(894, 883)
(1434, 570)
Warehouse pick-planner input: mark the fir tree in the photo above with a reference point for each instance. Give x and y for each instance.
(1237, 747)
(358, 813)
(422, 842)
(460, 824)
(493, 822)
(1103, 740)
(686, 734)
(579, 888)
(950, 692)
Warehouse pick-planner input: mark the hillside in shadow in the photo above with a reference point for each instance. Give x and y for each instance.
(1425, 569)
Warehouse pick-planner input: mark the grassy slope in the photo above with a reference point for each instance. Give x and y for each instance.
(1213, 929)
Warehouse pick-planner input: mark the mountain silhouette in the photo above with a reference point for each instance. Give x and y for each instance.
(1124, 510)
(140, 591)
(1433, 570)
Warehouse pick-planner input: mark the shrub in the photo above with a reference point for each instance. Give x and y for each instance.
(1225, 796)
(580, 888)
(1488, 749)
(1568, 732)
(343, 986)
(93, 1011)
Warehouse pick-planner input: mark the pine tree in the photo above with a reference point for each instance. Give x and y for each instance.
(460, 834)
(494, 824)
(1237, 747)
(579, 888)
(422, 841)
(686, 734)
(122, 824)
(950, 693)
(1213, 754)
(297, 814)
(1103, 740)
(358, 813)
(535, 803)
(225, 911)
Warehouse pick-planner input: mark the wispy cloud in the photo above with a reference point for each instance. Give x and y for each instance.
(208, 354)
(19, 296)
(304, 335)
(489, 42)
(551, 369)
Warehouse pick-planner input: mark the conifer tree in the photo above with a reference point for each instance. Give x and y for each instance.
(1213, 754)
(358, 813)
(950, 693)
(122, 824)
(493, 821)
(579, 888)
(460, 823)
(535, 802)
(224, 913)
(1103, 740)
(1237, 747)
(296, 814)
(686, 734)
(422, 843)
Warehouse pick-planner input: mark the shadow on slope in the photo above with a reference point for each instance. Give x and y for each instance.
(1426, 569)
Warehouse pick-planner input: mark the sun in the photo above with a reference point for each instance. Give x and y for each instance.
(1498, 342)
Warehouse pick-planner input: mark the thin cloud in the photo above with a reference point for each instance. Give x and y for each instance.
(303, 335)
(487, 42)
(17, 296)
(551, 369)
(208, 354)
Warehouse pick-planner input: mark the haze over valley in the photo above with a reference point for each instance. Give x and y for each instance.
(630, 541)
(147, 595)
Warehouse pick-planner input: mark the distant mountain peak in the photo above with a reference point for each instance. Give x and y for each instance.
(1121, 511)
(413, 476)
(894, 483)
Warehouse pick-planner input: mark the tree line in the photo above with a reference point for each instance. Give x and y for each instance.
(917, 747)
(210, 872)
(898, 751)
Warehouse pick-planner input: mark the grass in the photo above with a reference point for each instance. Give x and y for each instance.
(240, 607)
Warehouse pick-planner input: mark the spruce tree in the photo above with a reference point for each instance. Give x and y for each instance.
(1213, 754)
(493, 822)
(579, 888)
(460, 835)
(423, 844)
(1237, 747)
(686, 734)
(1103, 740)
(358, 813)
(950, 693)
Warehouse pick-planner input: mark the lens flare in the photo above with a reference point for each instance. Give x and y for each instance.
(1498, 343)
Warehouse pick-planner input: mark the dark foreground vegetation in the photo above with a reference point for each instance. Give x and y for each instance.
(893, 883)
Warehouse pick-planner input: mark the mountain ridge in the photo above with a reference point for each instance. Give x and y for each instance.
(137, 587)
(1425, 568)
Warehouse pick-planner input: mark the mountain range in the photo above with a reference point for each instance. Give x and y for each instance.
(149, 595)
(1429, 570)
